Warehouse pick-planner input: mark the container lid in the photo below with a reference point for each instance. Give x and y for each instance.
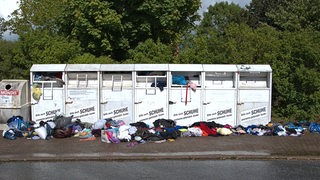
(48, 67)
(220, 68)
(82, 67)
(151, 67)
(254, 68)
(117, 67)
(186, 67)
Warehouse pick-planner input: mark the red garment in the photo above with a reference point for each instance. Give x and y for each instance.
(227, 126)
(207, 130)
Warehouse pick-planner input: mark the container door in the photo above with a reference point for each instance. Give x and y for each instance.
(185, 99)
(254, 98)
(47, 95)
(151, 96)
(82, 96)
(219, 103)
(14, 99)
(117, 96)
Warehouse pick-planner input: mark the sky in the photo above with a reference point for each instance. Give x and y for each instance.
(206, 3)
(8, 6)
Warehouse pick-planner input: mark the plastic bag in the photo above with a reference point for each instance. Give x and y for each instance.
(181, 80)
(17, 123)
(9, 134)
(314, 127)
(42, 132)
(61, 121)
(100, 124)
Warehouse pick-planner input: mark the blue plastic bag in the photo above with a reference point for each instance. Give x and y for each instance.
(314, 127)
(17, 123)
(181, 80)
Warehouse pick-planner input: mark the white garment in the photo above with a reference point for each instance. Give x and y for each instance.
(195, 131)
(123, 132)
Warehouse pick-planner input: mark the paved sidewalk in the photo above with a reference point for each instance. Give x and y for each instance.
(184, 148)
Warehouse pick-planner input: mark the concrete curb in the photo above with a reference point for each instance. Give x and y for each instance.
(209, 155)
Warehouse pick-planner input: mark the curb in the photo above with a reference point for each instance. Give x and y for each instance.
(214, 155)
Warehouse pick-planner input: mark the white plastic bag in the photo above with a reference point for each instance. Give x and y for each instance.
(42, 132)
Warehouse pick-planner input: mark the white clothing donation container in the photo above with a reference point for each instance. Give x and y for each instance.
(47, 91)
(220, 93)
(116, 91)
(82, 92)
(14, 99)
(185, 93)
(151, 92)
(254, 94)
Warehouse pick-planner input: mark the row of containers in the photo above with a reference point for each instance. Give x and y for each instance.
(185, 93)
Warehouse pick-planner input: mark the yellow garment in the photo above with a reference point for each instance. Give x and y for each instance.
(36, 92)
(183, 130)
(224, 131)
(270, 124)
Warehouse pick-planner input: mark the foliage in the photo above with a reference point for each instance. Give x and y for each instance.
(91, 59)
(2, 26)
(94, 24)
(150, 52)
(112, 27)
(284, 34)
(221, 15)
(296, 92)
(258, 10)
(296, 15)
(36, 15)
(7, 52)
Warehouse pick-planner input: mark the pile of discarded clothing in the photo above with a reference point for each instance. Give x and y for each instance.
(161, 130)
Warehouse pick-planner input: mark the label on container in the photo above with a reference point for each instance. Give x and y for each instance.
(117, 113)
(192, 113)
(220, 114)
(9, 92)
(254, 113)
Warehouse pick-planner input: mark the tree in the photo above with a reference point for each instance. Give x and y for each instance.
(107, 27)
(36, 15)
(95, 25)
(40, 48)
(293, 15)
(220, 15)
(150, 52)
(91, 59)
(296, 15)
(208, 43)
(7, 52)
(258, 10)
(35, 22)
(297, 81)
(2, 26)
(112, 27)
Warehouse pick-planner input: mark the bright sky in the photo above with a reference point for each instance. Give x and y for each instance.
(206, 3)
(7, 7)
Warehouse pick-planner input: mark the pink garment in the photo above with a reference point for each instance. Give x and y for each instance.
(193, 86)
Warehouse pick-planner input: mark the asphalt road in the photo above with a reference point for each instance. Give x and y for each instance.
(173, 169)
